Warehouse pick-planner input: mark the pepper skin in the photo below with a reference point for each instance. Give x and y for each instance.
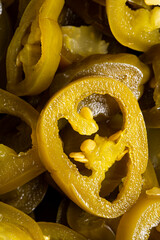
(58, 231)
(101, 153)
(141, 218)
(14, 224)
(36, 52)
(17, 169)
(124, 67)
(137, 29)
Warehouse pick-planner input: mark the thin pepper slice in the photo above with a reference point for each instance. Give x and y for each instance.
(92, 13)
(35, 48)
(27, 197)
(14, 224)
(152, 115)
(149, 177)
(137, 29)
(154, 151)
(58, 231)
(141, 218)
(131, 140)
(124, 67)
(80, 42)
(152, 57)
(17, 169)
(93, 227)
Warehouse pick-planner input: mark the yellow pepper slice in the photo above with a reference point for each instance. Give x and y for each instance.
(149, 177)
(124, 67)
(92, 227)
(141, 218)
(137, 29)
(27, 197)
(152, 2)
(17, 169)
(35, 48)
(58, 231)
(132, 140)
(80, 42)
(16, 225)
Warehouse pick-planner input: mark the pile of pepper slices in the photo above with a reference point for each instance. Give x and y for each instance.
(80, 119)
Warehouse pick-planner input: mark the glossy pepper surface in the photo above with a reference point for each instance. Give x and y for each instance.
(99, 154)
(27, 197)
(138, 28)
(58, 231)
(124, 67)
(16, 225)
(35, 48)
(18, 168)
(141, 218)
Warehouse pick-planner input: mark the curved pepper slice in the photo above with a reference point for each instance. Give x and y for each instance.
(92, 227)
(17, 169)
(137, 29)
(141, 218)
(99, 154)
(124, 67)
(80, 42)
(152, 115)
(149, 177)
(16, 225)
(35, 48)
(58, 231)
(27, 197)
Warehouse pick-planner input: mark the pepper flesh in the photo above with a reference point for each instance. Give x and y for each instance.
(58, 231)
(141, 218)
(93, 227)
(35, 58)
(137, 29)
(84, 190)
(124, 67)
(17, 169)
(21, 199)
(15, 224)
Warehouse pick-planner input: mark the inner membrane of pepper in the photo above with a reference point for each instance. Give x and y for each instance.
(100, 153)
(30, 53)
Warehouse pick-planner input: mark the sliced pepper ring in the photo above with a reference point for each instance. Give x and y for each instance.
(35, 48)
(138, 222)
(15, 224)
(17, 169)
(84, 190)
(137, 29)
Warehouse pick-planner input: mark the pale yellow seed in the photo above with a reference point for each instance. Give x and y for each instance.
(82, 160)
(122, 155)
(155, 191)
(88, 145)
(77, 155)
(115, 136)
(86, 113)
(152, 2)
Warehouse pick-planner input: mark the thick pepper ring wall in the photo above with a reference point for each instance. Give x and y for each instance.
(15, 224)
(138, 222)
(18, 169)
(84, 190)
(137, 29)
(35, 48)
